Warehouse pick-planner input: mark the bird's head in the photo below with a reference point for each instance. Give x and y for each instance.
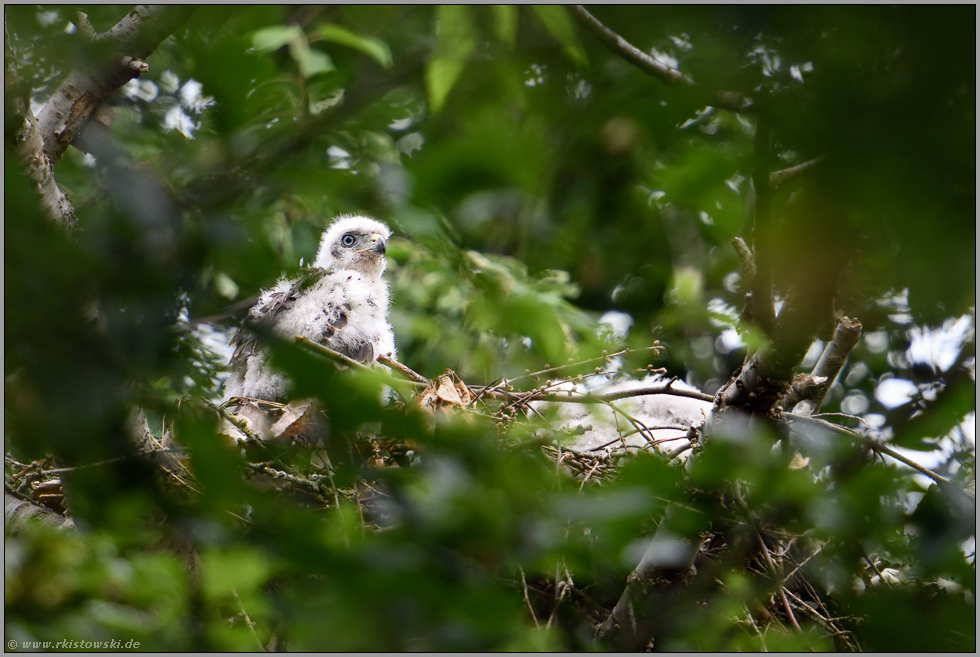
(354, 242)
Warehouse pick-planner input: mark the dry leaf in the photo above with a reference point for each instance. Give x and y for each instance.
(296, 418)
(446, 393)
(799, 462)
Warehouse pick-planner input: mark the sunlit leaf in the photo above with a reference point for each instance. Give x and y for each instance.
(274, 37)
(556, 20)
(505, 23)
(456, 40)
(370, 46)
(311, 61)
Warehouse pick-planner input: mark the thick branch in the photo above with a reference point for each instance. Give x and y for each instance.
(746, 259)
(762, 300)
(808, 401)
(634, 620)
(30, 145)
(17, 513)
(88, 86)
(766, 375)
(724, 100)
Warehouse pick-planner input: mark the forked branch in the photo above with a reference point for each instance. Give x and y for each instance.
(724, 99)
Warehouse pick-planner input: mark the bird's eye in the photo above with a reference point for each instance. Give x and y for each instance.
(348, 239)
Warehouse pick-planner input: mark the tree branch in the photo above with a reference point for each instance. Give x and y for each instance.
(17, 513)
(404, 369)
(341, 359)
(876, 445)
(808, 401)
(746, 260)
(633, 621)
(725, 99)
(89, 85)
(574, 397)
(30, 144)
(779, 178)
(762, 310)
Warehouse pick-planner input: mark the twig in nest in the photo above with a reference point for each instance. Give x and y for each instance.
(267, 468)
(248, 621)
(239, 424)
(527, 600)
(779, 583)
(589, 476)
(404, 369)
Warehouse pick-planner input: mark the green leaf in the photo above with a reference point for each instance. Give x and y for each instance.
(559, 25)
(457, 38)
(505, 23)
(939, 418)
(242, 569)
(275, 37)
(311, 62)
(374, 48)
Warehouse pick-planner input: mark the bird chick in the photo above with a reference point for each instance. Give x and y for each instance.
(341, 302)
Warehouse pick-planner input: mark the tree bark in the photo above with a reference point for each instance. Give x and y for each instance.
(17, 513)
(128, 43)
(29, 144)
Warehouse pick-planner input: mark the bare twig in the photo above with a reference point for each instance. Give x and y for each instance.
(238, 423)
(724, 100)
(589, 475)
(874, 567)
(335, 356)
(341, 359)
(875, 445)
(404, 369)
(779, 178)
(604, 358)
(779, 583)
(266, 468)
(248, 621)
(527, 600)
(575, 397)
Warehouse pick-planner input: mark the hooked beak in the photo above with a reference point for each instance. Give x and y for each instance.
(377, 247)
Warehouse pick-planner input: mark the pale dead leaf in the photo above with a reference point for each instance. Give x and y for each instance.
(295, 419)
(446, 393)
(799, 462)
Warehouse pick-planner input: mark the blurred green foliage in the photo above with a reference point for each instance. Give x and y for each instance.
(534, 181)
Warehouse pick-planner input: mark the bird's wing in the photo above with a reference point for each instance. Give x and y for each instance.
(264, 314)
(274, 306)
